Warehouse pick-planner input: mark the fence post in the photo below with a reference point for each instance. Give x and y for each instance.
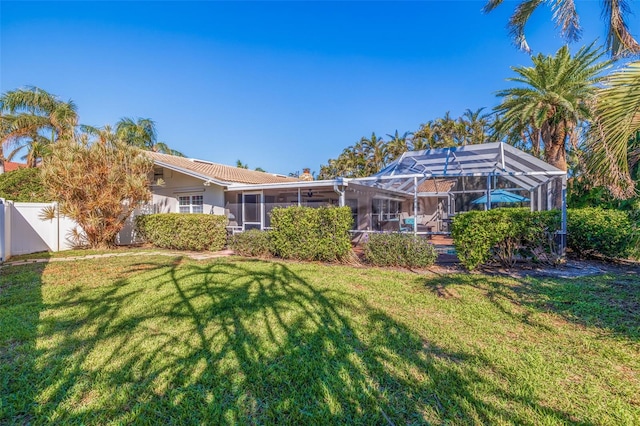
(55, 206)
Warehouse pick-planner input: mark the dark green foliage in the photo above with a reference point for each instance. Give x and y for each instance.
(595, 230)
(183, 231)
(253, 243)
(583, 194)
(503, 235)
(397, 249)
(23, 185)
(306, 233)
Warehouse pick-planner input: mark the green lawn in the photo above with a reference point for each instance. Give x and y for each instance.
(144, 339)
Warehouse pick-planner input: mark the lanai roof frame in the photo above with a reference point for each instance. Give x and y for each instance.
(489, 159)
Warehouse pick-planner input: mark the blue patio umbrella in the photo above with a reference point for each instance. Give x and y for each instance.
(501, 196)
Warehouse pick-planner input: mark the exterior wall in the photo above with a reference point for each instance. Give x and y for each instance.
(165, 196)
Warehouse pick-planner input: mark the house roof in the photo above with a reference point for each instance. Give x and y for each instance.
(10, 166)
(218, 173)
(437, 185)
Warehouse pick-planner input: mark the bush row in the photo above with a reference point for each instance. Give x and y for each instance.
(252, 243)
(504, 235)
(596, 231)
(306, 233)
(302, 233)
(183, 231)
(397, 249)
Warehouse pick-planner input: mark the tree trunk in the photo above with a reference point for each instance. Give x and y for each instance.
(554, 136)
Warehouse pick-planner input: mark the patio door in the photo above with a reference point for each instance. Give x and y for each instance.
(252, 210)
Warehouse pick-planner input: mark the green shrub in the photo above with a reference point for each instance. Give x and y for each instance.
(395, 249)
(504, 235)
(307, 233)
(593, 231)
(23, 185)
(253, 243)
(183, 231)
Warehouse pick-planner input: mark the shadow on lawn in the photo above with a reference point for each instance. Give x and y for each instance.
(20, 307)
(610, 302)
(243, 342)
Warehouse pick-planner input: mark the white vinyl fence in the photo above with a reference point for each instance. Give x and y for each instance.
(22, 231)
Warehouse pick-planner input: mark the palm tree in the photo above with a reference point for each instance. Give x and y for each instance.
(142, 134)
(553, 97)
(447, 132)
(398, 145)
(376, 153)
(37, 148)
(28, 115)
(424, 137)
(613, 142)
(620, 42)
(476, 126)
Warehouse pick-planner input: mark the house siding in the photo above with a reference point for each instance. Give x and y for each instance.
(165, 196)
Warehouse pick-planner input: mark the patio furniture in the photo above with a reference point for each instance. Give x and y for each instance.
(407, 224)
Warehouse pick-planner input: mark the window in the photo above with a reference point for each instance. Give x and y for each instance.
(385, 209)
(353, 203)
(190, 204)
(158, 173)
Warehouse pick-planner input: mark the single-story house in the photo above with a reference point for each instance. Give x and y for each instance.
(419, 192)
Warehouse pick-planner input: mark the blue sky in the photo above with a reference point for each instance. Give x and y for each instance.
(279, 85)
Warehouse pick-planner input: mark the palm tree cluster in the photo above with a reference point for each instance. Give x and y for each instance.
(562, 105)
(370, 154)
(32, 120)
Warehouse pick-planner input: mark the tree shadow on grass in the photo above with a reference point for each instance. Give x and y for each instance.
(609, 302)
(20, 306)
(252, 343)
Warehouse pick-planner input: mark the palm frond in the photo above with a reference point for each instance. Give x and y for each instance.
(617, 121)
(518, 21)
(620, 42)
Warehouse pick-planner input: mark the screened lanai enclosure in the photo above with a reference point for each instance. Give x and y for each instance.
(420, 192)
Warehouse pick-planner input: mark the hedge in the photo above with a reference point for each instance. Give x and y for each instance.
(23, 185)
(183, 231)
(252, 243)
(395, 249)
(306, 233)
(505, 235)
(597, 231)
